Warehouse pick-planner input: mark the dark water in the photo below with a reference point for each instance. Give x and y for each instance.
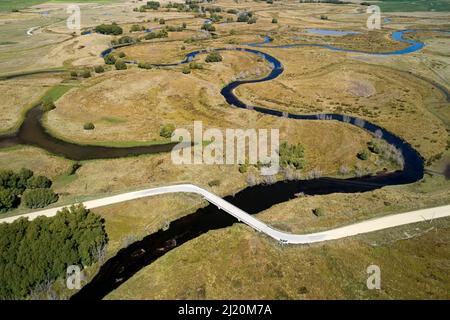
(255, 199)
(31, 132)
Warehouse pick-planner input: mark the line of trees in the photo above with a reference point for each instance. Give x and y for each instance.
(113, 29)
(38, 251)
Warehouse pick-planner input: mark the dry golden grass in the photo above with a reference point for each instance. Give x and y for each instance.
(236, 263)
(38, 160)
(330, 82)
(20, 94)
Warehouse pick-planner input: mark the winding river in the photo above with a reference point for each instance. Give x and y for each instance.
(252, 199)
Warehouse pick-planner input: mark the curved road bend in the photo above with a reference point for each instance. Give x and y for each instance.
(332, 234)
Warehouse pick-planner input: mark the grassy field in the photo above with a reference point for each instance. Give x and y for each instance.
(238, 263)
(8, 5)
(412, 6)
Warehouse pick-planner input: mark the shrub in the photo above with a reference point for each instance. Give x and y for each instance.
(292, 155)
(144, 65)
(167, 130)
(186, 70)
(74, 167)
(162, 21)
(88, 126)
(208, 27)
(122, 55)
(363, 155)
(120, 65)
(154, 35)
(318, 212)
(274, 20)
(86, 74)
(39, 198)
(8, 199)
(109, 59)
(195, 65)
(213, 57)
(48, 105)
(73, 74)
(251, 20)
(135, 28)
(154, 5)
(113, 29)
(374, 147)
(243, 17)
(184, 25)
(125, 40)
(36, 182)
(214, 183)
(13, 180)
(243, 167)
(99, 69)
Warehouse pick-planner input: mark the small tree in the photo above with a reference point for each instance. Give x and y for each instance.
(213, 57)
(35, 182)
(39, 198)
(99, 69)
(167, 130)
(8, 199)
(109, 59)
(88, 126)
(86, 74)
(48, 105)
(186, 70)
(363, 155)
(120, 65)
(318, 212)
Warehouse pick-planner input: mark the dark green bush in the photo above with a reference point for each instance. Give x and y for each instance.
(274, 20)
(35, 182)
(113, 29)
(99, 69)
(120, 65)
(73, 74)
(213, 57)
(122, 55)
(208, 27)
(109, 59)
(8, 199)
(88, 126)
(39, 198)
